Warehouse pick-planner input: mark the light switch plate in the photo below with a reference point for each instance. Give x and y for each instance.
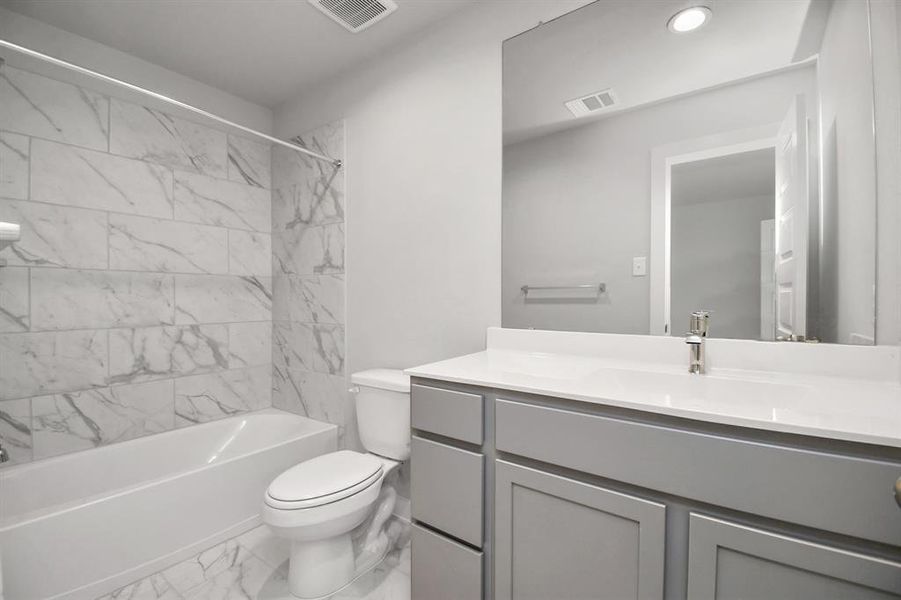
(639, 266)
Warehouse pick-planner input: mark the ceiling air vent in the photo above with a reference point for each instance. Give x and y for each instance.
(591, 103)
(355, 15)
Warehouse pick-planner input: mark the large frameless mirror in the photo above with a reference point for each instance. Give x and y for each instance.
(662, 158)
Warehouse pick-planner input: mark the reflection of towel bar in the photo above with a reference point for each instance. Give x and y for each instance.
(599, 287)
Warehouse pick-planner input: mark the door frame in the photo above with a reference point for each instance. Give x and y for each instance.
(663, 158)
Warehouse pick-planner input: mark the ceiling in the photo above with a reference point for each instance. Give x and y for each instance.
(625, 45)
(743, 175)
(265, 51)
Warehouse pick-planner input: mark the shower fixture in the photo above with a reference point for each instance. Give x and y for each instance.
(9, 233)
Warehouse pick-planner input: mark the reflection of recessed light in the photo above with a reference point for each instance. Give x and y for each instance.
(689, 19)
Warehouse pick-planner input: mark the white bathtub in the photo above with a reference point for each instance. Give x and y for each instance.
(84, 524)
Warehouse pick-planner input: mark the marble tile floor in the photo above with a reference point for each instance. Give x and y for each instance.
(253, 566)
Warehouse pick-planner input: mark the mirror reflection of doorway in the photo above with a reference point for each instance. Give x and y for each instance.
(722, 241)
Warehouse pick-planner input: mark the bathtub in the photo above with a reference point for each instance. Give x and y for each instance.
(84, 524)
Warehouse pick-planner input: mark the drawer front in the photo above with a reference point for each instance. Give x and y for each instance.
(446, 489)
(832, 492)
(444, 569)
(457, 415)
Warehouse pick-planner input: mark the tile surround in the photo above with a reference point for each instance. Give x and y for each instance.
(249, 253)
(81, 420)
(203, 398)
(71, 176)
(14, 150)
(145, 244)
(70, 299)
(56, 236)
(308, 299)
(310, 250)
(249, 162)
(222, 299)
(37, 363)
(308, 350)
(202, 199)
(42, 107)
(140, 295)
(155, 137)
(310, 347)
(250, 344)
(15, 429)
(166, 352)
(14, 300)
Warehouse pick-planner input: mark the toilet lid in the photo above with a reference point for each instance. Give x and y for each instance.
(325, 479)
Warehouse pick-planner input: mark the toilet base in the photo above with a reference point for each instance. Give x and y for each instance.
(321, 567)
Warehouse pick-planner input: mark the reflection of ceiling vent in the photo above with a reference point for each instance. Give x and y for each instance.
(355, 15)
(591, 103)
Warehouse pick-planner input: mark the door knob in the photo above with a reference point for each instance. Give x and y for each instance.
(898, 491)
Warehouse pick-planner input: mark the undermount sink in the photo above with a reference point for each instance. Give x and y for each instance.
(656, 387)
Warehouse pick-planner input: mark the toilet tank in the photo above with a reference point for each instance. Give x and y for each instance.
(383, 411)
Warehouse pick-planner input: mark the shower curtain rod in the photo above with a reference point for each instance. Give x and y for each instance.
(73, 67)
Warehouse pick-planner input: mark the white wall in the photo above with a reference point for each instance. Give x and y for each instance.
(848, 207)
(55, 42)
(423, 129)
(716, 263)
(577, 203)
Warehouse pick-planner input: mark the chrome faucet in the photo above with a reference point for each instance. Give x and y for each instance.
(4, 455)
(698, 325)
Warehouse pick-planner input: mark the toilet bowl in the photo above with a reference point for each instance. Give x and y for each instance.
(316, 504)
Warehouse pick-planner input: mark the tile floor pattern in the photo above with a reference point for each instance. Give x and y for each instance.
(253, 566)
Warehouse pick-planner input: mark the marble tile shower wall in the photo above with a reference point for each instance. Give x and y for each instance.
(308, 283)
(139, 298)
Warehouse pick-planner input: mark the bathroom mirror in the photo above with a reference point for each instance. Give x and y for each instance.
(663, 157)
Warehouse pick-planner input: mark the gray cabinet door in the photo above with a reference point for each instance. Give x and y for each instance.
(727, 560)
(568, 540)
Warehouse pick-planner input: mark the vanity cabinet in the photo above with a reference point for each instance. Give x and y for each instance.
(566, 499)
(730, 561)
(560, 538)
(447, 494)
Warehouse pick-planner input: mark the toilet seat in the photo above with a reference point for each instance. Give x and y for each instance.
(323, 480)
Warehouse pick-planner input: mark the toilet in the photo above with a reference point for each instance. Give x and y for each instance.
(317, 503)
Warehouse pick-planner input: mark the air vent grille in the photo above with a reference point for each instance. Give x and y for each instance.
(355, 15)
(591, 103)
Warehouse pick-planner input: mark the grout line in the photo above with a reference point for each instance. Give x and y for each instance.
(179, 274)
(129, 328)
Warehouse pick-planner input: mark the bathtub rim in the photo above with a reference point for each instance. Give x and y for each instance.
(7, 523)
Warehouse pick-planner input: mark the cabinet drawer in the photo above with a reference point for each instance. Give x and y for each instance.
(446, 489)
(443, 569)
(831, 492)
(457, 415)
(727, 560)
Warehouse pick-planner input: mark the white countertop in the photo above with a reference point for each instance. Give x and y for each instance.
(857, 409)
